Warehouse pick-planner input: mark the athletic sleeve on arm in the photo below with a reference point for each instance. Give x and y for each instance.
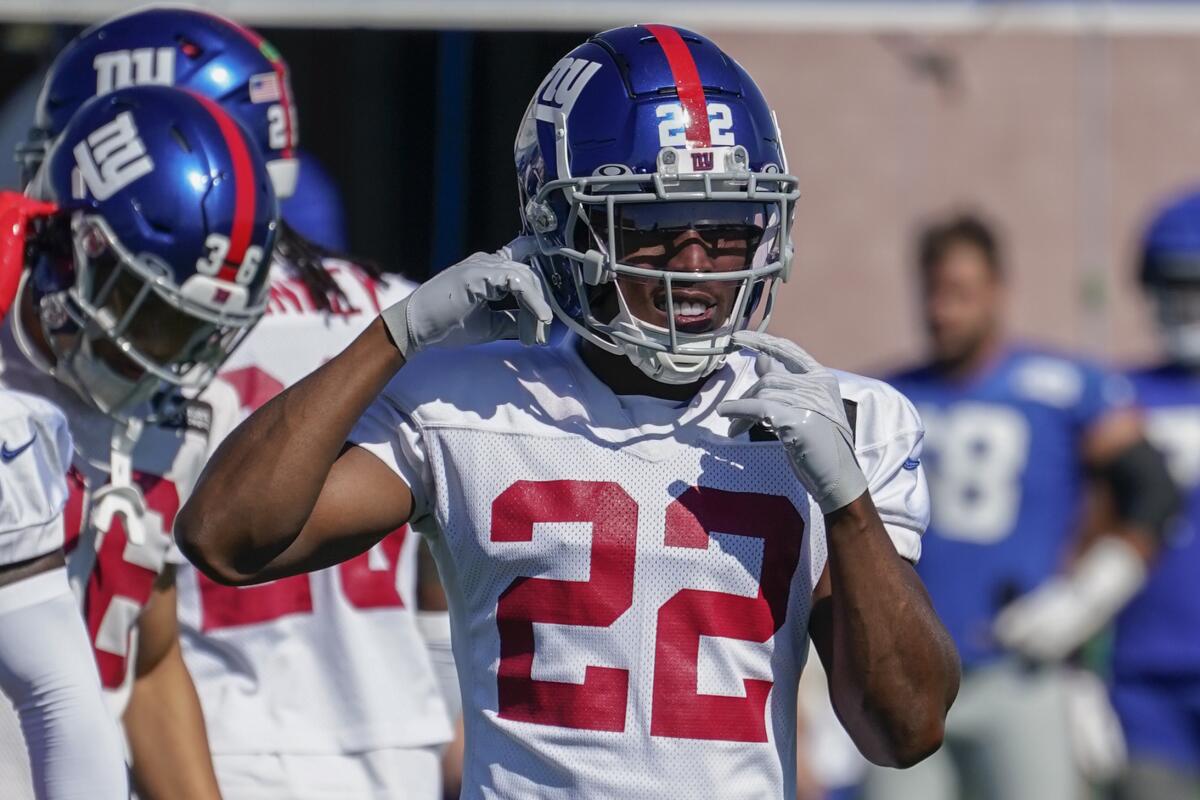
(34, 461)
(888, 447)
(390, 433)
(74, 746)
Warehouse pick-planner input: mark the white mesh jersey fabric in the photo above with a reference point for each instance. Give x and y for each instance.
(326, 663)
(630, 588)
(113, 569)
(35, 451)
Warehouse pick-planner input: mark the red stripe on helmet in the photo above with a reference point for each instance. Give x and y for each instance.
(281, 76)
(687, 82)
(243, 187)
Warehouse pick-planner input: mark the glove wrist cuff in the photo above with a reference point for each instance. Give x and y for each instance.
(842, 495)
(395, 319)
(849, 487)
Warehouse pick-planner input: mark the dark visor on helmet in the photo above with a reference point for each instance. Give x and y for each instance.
(653, 235)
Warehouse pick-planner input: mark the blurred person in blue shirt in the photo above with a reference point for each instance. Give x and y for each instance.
(1156, 650)
(1017, 439)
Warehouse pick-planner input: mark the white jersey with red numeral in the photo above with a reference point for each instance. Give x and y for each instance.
(115, 551)
(629, 587)
(35, 452)
(326, 663)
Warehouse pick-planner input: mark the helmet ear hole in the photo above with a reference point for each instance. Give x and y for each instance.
(541, 217)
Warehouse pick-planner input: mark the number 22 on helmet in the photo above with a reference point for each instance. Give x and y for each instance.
(154, 265)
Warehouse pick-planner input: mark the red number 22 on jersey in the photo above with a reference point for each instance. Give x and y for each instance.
(599, 703)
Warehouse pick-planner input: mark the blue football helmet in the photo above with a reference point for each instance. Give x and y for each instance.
(1170, 273)
(651, 171)
(154, 265)
(180, 47)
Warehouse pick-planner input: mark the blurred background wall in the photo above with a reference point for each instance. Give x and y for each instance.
(1065, 122)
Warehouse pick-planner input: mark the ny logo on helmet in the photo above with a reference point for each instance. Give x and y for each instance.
(562, 87)
(145, 65)
(111, 158)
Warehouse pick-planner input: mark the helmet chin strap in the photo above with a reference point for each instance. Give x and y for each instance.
(676, 369)
(122, 496)
(101, 385)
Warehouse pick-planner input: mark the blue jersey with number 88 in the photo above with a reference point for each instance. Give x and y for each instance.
(1005, 477)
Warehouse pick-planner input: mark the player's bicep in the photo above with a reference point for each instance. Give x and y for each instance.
(362, 501)
(362, 495)
(896, 480)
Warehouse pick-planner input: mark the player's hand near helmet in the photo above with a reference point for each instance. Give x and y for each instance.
(799, 400)
(459, 306)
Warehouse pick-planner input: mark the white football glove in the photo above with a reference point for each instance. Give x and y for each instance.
(800, 401)
(1059, 616)
(457, 307)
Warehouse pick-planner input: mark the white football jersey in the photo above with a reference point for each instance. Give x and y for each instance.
(35, 452)
(325, 663)
(115, 551)
(629, 587)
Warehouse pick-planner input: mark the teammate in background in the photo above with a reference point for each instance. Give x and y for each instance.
(288, 673)
(633, 558)
(345, 700)
(1156, 655)
(1015, 436)
(315, 210)
(46, 666)
(145, 270)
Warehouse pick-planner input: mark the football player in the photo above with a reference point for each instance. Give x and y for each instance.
(287, 673)
(1156, 650)
(639, 527)
(147, 268)
(1014, 436)
(73, 744)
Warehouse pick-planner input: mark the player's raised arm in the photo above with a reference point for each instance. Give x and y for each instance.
(285, 493)
(893, 669)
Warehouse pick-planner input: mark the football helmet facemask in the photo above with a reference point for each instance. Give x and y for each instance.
(651, 172)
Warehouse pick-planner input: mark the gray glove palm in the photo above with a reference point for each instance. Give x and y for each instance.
(457, 307)
(799, 399)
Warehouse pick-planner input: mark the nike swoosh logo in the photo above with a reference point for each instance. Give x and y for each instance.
(7, 455)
